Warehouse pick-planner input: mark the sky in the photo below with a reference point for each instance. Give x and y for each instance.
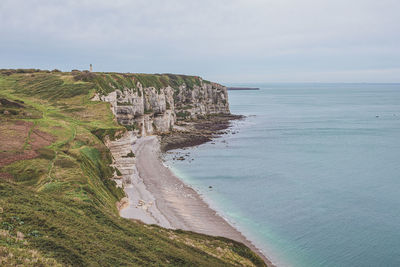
(227, 41)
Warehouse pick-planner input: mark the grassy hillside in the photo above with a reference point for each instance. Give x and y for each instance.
(57, 203)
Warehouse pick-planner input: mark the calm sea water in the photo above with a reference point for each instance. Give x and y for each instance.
(312, 175)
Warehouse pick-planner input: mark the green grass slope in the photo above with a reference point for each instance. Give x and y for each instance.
(57, 203)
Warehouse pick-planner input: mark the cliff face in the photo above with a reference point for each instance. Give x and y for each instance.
(55, 170)
(147, 110)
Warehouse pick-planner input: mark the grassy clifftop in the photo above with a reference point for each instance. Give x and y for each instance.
(57, 203)
(56, 84)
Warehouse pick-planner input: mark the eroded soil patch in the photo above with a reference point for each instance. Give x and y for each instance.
(19, 140)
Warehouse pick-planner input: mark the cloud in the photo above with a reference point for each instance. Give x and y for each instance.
(209, 38)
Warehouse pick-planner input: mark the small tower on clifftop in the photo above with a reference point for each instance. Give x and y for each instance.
(91, 68)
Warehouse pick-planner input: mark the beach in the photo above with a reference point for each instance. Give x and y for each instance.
(156, 195)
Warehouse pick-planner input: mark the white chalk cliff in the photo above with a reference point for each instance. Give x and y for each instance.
(149, 110)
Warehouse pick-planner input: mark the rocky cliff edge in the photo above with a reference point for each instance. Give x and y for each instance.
(154, 106)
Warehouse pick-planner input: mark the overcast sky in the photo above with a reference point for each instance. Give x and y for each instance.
(220, 40)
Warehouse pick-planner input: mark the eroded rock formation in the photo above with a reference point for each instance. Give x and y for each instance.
(148, 110)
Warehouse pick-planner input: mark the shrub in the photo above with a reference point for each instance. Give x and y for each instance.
(29, 70)
(129, 155)
(7, 72)
(46, 153)
(118, 172)
(148, 111)
(65, 163)
(130, 127)
(183, 114)
(85, 76)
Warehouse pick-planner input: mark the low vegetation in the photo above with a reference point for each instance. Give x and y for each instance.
(57, 201)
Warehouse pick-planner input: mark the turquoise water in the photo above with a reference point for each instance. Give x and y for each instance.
(312, 176)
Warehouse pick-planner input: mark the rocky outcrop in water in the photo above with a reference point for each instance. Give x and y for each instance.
(148, 110)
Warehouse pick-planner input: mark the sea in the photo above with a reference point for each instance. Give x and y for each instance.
(312, 174)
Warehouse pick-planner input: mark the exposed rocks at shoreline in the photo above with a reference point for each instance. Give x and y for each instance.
(196, 132)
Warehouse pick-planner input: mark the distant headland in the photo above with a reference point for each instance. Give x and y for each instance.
(242, 88)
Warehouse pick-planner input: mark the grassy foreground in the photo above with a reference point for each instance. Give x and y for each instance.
(57, 203)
